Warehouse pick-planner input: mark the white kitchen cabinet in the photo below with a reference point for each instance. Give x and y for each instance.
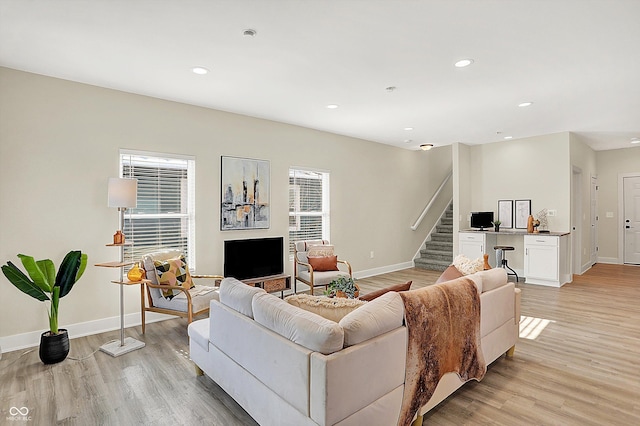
(475, 244)
(545, 260)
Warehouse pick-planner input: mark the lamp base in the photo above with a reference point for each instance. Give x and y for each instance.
(116, 349)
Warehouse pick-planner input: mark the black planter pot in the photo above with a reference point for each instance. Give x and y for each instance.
(54, 347)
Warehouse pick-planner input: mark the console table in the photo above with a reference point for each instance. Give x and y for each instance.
(271, 283)
(546, 255)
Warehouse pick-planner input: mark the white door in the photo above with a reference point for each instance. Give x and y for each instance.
(594, 220)
(632, 220)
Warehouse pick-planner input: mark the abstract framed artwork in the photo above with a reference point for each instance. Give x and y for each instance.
(505, 213)
(522, 212)
(244, 193)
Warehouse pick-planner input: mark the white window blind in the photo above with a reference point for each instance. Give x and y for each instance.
(165, 216)
(308, 205)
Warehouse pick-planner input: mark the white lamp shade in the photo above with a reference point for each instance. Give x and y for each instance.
(123, 192)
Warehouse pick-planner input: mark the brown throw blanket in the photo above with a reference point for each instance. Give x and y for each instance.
(443, 322)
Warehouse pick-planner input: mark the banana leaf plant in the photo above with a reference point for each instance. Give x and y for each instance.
(43, 283)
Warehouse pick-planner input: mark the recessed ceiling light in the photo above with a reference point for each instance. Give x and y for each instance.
(199, 70)
(390, 88)
(635, 140)
(249, 32)
(332, 106)
(508, 137)
(525, 104)
(426, 146)
(408, 128)
(463, 63)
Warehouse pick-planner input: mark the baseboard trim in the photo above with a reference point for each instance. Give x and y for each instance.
(31, 339)
(611, 260)
(382, 270)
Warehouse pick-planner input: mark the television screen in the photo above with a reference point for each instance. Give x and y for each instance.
(481, 219)
(253, 258)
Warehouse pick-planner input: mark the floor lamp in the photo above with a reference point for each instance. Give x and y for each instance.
(123, 193)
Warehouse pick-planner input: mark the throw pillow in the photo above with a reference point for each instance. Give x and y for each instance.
(331, 308)
(397, 287)
(451, 273)
(173, 272)
(322, 264)
(320, 250)
(467, 266)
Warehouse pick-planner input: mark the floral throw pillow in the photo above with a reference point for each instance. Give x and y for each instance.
(173, 272)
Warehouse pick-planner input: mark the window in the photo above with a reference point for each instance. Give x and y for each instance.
(308, 205)
(165, 215)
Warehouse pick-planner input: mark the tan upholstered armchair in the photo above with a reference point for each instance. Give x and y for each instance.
(304, 271)
(182, 302)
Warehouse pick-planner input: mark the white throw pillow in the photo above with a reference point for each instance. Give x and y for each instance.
(331, 308)
(381, 315)
(467, 266)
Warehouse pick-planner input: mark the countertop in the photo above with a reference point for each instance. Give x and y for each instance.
(516, 232)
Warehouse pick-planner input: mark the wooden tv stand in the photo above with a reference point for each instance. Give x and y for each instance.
(271, 283)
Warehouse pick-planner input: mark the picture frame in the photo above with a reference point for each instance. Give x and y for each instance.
(522, 212)
(244, 193)
(505, 213)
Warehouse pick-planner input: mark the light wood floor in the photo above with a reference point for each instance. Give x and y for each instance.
(582, 368)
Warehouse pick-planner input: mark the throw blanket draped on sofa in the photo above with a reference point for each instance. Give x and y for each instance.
(443, 322)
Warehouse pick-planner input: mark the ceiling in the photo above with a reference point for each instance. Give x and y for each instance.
(578, 61)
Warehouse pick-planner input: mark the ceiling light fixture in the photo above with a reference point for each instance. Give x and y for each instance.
(390, 88)
(408, 128)
(463, 63)
(426, 146)
(249, 33)
(199, 70)
(635, 140)
(508, 137)
(332, 106)
(525, 104)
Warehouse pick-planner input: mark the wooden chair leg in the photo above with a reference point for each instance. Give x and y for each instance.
(199, 371)
(417, 421)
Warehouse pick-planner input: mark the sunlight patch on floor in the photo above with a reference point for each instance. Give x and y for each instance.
(531, 327)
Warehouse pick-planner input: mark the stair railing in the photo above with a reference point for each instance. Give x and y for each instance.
(433, 199)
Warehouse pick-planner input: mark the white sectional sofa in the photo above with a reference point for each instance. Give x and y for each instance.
(288, 366)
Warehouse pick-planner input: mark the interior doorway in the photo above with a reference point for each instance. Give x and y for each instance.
(576, 221)
(594, 220)
(631, 219)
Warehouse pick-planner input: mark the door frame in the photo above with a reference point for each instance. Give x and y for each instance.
(576, 221)
(621, 177)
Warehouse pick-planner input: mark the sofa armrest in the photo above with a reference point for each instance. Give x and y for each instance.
(518, 296)
(341, 382)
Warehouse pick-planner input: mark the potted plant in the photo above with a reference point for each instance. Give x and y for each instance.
(343, 286)
(45, 285)
(496, 225)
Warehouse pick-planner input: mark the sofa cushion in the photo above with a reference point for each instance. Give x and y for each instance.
(302, 327)
(377, 317)
(238, 295)
(326, 263)
(396, 287)
(331, 308)
(489, 279)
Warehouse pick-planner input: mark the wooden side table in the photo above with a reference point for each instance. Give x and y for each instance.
(271, 283)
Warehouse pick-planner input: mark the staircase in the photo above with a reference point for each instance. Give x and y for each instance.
(437, 254)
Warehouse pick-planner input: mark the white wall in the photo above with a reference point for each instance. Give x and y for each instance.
(59, 142)
(610, 164)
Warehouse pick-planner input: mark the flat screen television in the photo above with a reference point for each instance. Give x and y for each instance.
(481, 220)
(251, 258)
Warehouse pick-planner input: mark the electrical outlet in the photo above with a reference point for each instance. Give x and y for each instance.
(371, 254)
(609, 214)
(552, 212)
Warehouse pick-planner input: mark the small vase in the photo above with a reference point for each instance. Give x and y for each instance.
(496, 228)
(54, 348)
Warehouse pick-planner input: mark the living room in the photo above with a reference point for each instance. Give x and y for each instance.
(60, 141)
